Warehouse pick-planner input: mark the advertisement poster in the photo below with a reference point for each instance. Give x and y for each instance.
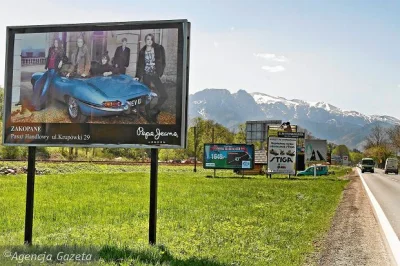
(108, 84)
(228, 156)
(281, 155)
(345, 160)
(316, 150)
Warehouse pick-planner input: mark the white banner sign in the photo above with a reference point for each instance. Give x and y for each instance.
(281, 155)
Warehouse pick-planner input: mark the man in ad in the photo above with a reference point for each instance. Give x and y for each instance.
(121, 57)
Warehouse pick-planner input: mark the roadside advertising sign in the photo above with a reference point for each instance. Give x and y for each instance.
(281, 155)
(95, 85)
(345, 160)
(228, 156)
(316, 150)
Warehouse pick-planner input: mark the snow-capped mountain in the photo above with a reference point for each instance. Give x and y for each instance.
(322, 119)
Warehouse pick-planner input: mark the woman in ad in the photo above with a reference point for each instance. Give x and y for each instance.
(53, 63)
(150, 67)
(80, 60)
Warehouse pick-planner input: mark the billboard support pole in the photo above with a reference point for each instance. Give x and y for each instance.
(153, 197)
(296, 158)
(30, 190)
(213, 142)
(195, 149)
(315, 171)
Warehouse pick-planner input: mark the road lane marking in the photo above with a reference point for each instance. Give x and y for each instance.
(391, 237)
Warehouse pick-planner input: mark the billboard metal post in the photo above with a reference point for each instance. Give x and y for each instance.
(195, 149)
(213, 142)
(295, 166)
(30, 190)
(153, 197)
(315, 170)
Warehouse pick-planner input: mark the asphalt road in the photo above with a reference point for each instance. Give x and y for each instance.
(386, 189)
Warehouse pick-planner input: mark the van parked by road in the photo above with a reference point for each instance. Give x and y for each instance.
(391, 166)
(321, 170)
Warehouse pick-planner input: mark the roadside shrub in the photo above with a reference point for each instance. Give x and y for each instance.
(11, 152)
(42, 152)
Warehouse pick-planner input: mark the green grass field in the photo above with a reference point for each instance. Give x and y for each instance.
(229, 220)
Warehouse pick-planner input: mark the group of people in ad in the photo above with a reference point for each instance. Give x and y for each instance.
(149, 68)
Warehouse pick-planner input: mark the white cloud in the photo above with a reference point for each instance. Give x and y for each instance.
(216, 44)
(273, 69)
(232, 28)
(272, 57)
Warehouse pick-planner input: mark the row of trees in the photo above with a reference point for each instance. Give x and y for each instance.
(382, 143)
(342, 150)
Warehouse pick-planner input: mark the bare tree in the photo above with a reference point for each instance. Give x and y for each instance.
(376, 138)
(331, 146)
(394, 136)
(308, 134)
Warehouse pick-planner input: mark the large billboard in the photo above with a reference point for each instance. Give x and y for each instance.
(228, 156)
(256, 131)
(106, 84)
(281, 155)
(316, 150)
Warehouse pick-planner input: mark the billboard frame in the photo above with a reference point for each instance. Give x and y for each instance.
(183, 55)
(263, 131)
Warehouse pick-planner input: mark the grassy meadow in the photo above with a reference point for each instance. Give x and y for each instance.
(228, 220)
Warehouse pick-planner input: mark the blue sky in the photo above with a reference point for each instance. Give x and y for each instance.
(342, 52)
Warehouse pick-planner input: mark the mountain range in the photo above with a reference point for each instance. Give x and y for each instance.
(323, 120)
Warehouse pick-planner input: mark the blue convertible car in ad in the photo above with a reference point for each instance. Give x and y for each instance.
(94, 96)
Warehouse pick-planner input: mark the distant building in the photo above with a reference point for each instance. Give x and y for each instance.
(32, 53)
(31, 56)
